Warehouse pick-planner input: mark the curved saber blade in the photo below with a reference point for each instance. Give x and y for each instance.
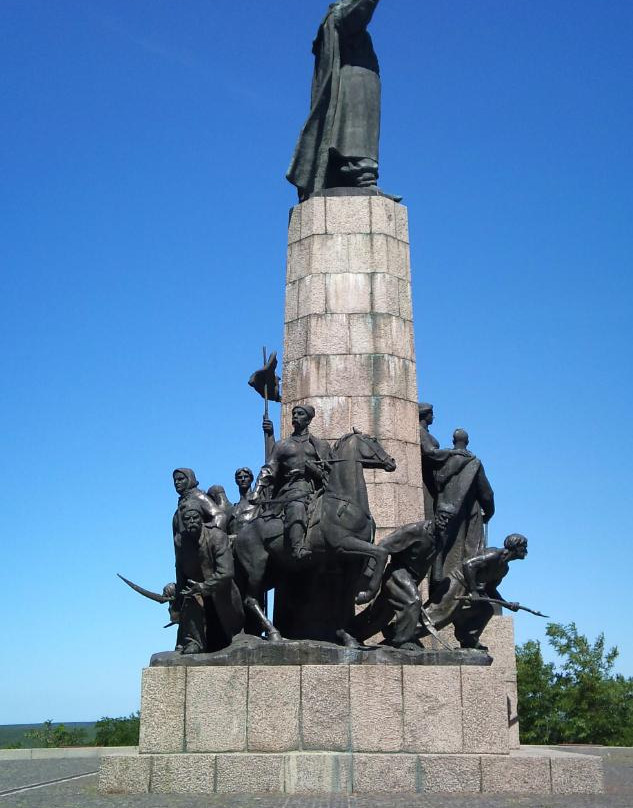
(145, 592)
(429, 625)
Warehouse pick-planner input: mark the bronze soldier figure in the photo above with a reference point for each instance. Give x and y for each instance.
(413, 549)
(207, 599)
(295, 471)
(465, 602)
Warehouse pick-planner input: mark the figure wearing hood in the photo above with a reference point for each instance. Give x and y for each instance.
(186, 486)
(338, 145)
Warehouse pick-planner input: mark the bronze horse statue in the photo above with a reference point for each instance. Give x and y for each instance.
(340, 526)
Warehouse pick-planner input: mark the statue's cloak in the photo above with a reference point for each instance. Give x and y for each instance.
(461, 482)
(345, 101)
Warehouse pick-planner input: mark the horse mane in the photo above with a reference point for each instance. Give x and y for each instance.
(337, 444)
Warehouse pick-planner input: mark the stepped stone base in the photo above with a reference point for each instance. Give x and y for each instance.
(530, 770)
(339, 728)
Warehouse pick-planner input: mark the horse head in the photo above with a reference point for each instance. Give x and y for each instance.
(365, 449)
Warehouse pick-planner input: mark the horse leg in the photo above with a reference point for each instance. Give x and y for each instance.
(253, 604)
(253, 557)
(350, 545)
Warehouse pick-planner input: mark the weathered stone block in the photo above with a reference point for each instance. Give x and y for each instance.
(390, 774)
(312, 217)
(512, 700)
(162, 710)
(404, 300)
(364, 414)
(499, 637)
(402, 223)
(376, 707)
(485, 711)
(382, 504)
(314, 773)
(367, 253)
(406, 423)
(273, 708)
(294, 224)
(298, 260)
(348, 292)
(432, 709)
(383, 215)
(327, 334)
(216, 709)
(325, 707)
(381, 334)
(296, 339)
(412, 381)
(330, 254)
(385, 293)
(333, 416)
(183, 774)
(397, 450)
(376, 333)
(450, 774)
(409, 504)
(577, 774)
(515, 775)
(399, 259)
(249, 774)
(349, 374)
(347, 214)
(389, 376)
(124, 775)
(305, 377)
(414, 465)
(292, 301)
(311, 295)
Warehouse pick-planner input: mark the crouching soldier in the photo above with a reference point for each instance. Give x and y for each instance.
(465, 601)
(412, 548)
(207, 598)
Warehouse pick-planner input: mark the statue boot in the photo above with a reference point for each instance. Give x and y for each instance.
(296, 540)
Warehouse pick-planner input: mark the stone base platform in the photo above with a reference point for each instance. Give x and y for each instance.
(530, 770)
(249, 650)
(304, 717)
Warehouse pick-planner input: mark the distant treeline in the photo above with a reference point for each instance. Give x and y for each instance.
(107, 731)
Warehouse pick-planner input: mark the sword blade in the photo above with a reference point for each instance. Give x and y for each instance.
(145, 592)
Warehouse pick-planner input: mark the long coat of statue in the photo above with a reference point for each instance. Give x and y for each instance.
(344, 117)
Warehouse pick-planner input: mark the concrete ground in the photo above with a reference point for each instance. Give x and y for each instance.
(27, 784)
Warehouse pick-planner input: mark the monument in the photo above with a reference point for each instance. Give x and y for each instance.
(386, 665)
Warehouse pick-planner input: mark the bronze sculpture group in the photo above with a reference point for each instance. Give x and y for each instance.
(304, 529)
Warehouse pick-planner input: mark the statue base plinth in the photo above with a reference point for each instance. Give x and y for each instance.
(307, 717)
(248, 650)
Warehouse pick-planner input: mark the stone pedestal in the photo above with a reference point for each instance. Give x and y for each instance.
(499, 639)
(348, 346)
(335, 729)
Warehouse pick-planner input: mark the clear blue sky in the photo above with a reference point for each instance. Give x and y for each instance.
(143, 213)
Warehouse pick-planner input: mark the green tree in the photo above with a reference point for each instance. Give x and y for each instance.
(582, 701)
(54, 735)
(536, 679)
(118, 731)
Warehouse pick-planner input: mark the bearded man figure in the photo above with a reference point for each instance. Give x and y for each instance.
(207, 598)
(338, 145)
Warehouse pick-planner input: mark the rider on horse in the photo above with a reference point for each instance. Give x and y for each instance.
(294, 473)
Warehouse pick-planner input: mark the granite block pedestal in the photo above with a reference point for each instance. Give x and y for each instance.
(335, 728)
